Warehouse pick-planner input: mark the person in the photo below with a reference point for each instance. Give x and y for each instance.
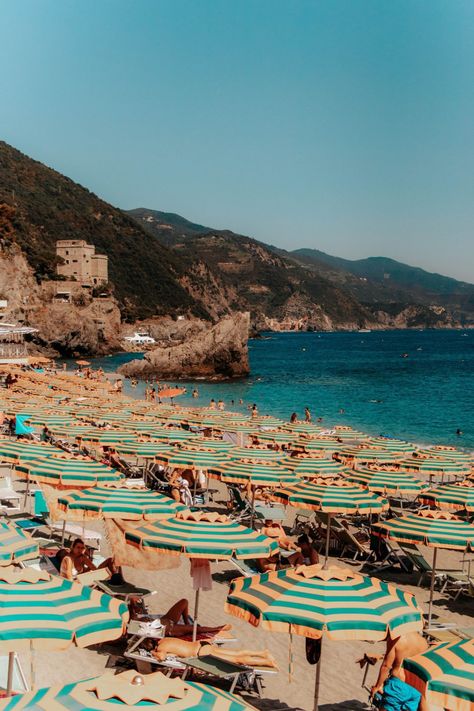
(184, 649)
(390, 690)
(76, 561)
(307, 414)
(212, 404)
(294, 417)
(254, 411)
(195, 393)
(171, 619)
(308, 552)
(458, 432)
(46, 434)
(274, 529)
(220, 405)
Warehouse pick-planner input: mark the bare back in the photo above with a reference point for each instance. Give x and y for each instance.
(408, 645)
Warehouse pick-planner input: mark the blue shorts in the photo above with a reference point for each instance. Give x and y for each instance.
(399, 696)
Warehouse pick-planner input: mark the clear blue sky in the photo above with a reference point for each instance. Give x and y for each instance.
(345, 125)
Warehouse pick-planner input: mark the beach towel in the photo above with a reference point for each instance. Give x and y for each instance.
(20, 427)
(399, 696)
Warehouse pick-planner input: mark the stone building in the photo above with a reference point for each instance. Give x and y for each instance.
(79, 261)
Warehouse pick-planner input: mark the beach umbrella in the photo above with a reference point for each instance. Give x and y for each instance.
(394, 445)
(141, 450)
(318, 447)
(207, 444)
(283, 439)
(23, 451)
(458, 496)
(314, 601)
(43, 611)
(171, 392)
(364, 455)
(69, 472)
(339, 496)
(444, 675)
(435, 529)
(184, 458)
(386, 482)
(438, 451)
(257, 454)
(316, 468)
(201, 534)
(435, 465)
(131, 504)
(15, 544)
(82, 362)
(128, 691)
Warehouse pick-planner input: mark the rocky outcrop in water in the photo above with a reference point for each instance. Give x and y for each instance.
(215, 352)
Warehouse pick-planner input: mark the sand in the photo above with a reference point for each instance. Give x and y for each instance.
(341, 677)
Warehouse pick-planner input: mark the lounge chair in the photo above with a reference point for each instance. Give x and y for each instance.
(123, 591)
(420, 564)
(19, 682)
(342, 538)
(242, 508)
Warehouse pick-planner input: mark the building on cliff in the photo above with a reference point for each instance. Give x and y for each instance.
(13, 348)
(79, 261)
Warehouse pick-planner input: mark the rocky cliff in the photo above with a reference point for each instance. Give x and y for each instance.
(219, 351)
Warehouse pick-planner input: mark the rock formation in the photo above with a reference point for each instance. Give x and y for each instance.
(217, 352)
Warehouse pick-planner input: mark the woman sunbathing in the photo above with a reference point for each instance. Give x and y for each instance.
(171, 646)
(274, 529)
(171, 619)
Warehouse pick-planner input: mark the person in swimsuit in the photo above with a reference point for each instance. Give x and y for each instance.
(171, 619)
(395, 693)
(76, 561)
(274, 529)
(172, 646)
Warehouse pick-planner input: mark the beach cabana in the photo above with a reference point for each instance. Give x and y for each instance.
(435, 529)
(444, 675)
(314, 601)
(336, 497)
(204, 535)
(128, 691)
(42, 611)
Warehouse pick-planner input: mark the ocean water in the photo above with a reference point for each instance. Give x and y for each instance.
(424, 397)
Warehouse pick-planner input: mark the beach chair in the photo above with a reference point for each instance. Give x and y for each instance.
(19, 683)
(242, 508)
(421, 565)
(124, 591)
(244, 677)
(394, 557)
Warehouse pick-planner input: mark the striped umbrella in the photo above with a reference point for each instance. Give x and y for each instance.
(452, 453)
(455, 497)
(312, 468)
(42, 611)
(15, 544)
(444, 675)
(191, 458)
(211, 445)
(435, 529)
(318, 447)
(22, 451)
(69, 472)
(202, 534)
(142, 450)
(118, 502)
(386, 482)
(335, 497)
(283, 439)
(128, 691)
(433, 466)
(314, 601)
(266, 474)
(257, 454)
(395, 445)
(368, 454)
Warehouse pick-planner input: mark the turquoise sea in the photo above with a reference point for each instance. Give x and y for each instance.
(424, 397)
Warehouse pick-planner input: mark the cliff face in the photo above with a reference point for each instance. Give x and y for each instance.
(218, 351)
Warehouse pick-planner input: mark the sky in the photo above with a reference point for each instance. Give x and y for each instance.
(343, 125)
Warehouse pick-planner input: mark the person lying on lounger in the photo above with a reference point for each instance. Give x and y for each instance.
(171, 646)
(171, 620)
(274, 529)
(76, 561)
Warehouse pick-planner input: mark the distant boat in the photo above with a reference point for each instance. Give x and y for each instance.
(365, 330)
(140, 338)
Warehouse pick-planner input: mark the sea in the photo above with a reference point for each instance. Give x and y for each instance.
(416, 385)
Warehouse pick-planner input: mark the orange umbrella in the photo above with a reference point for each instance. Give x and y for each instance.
(171, 392)
(82, 362)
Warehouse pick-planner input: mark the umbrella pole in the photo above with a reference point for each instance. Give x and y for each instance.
(32, 666)
(252, 512)
(433, 579)
(63, 533)
(11, 665)
(328, 536)
(318, 680)
(196, 610)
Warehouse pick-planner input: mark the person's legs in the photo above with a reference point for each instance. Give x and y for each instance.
(246, 657)
(178, 610)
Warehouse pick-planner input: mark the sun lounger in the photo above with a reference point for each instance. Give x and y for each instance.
(421, 565)
(245, 677)
(19, 683)
(242, 508)
(124, 591)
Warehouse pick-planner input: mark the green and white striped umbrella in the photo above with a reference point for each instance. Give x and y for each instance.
(257, 454)
(42, 611)
(368, 454)
(128, 691)
(314, 601)
(435, 529)
(142, 450)
(69, 472)
(15, 544)
(270, 474)
(205, 443)
(202, 534)
(283, 439)
(434, 466)
(23, 451)
(452, 453)
(444, 675)
(386, 482)
(455, 497)
(191, 459)
(339, 496)
(118, 502)
(315, 468)
(394, 445)
(318, 447)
